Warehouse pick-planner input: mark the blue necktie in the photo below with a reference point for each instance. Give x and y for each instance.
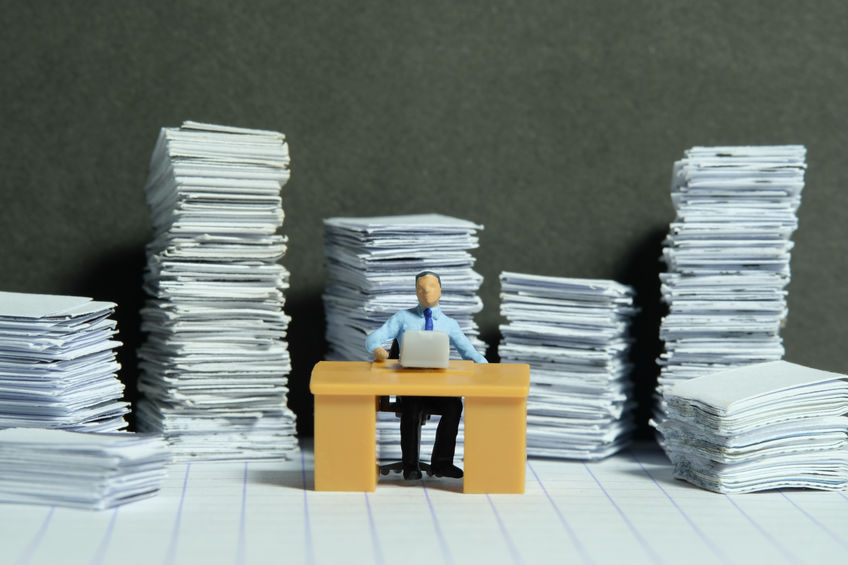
(428, 319)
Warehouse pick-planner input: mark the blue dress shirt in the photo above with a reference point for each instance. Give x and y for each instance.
(413, 319)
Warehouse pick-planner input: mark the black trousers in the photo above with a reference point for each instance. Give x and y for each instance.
(450, 409)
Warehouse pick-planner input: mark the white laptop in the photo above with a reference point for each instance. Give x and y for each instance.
(422, 349)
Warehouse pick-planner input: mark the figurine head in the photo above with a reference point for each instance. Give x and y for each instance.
(428, 288)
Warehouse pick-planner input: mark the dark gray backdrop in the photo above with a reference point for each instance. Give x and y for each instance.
(553, 123)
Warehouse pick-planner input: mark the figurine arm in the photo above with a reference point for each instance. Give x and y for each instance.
(388, 331)
(463, 344)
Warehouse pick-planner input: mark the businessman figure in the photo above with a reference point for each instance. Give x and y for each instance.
(426, 316)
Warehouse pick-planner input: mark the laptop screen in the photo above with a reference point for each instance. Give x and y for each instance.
(422, 349)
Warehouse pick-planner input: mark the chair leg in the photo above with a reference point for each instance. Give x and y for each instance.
(391, 468)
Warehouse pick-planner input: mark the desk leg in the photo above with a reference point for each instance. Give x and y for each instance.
(345, 443)
(495, 445)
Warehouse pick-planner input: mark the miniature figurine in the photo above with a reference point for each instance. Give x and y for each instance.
(426, 316)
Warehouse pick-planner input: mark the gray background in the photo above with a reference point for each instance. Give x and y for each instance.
(555, 124)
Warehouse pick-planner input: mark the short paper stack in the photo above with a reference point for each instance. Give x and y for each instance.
(574, 334)
(57, 363)
(764, 426)
(83, 470)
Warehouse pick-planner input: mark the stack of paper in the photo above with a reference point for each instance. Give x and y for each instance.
(215, 361)
(727, 254)
(57, 364)
(83, 470)
(574, 334)
(371, 264)
(764, 426)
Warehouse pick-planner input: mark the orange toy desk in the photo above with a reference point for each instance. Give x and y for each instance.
(346, 415)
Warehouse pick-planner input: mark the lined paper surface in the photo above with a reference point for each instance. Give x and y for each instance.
(626, 509)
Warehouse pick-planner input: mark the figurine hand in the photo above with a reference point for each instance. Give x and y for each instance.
(380, 354)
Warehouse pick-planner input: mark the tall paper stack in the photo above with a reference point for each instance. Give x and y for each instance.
(727, 254)
(215, 363)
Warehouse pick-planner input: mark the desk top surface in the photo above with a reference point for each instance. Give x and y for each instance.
(461, 378)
